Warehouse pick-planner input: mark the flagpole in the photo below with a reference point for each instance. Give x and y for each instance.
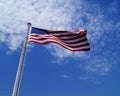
(20, 65)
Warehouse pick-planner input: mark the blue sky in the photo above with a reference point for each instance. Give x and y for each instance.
(51, 70)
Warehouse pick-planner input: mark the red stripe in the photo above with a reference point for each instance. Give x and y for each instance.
(73, 38)
(58, 40)
(71, 41)
(54, 32)
(72, 49)
(65, 41)
(75, 42)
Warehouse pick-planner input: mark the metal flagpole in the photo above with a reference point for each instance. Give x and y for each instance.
(20, 66)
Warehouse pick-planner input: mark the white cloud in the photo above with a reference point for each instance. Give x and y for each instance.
(101, 36)
(90, 79)
(99, 65)
(62, 54)
(61, 14)
(65, 76)
(113, 7)
(50, 14)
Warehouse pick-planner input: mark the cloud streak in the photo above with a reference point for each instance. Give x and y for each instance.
(65, 15)
(49, 14)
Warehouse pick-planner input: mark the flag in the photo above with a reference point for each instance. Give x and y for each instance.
(74, 41)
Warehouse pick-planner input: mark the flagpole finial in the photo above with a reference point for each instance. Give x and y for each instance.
(29, 23)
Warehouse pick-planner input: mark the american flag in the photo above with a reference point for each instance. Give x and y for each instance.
(74, 41)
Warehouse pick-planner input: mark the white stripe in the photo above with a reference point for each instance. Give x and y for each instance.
(78, 44)
(49, 40)
(57, 39)
(53, 37)
(57, 34)
(66, 37)
(75, 40)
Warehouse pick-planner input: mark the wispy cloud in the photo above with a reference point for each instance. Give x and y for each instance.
(64, 15)
(50, 14)
(92, 80)
(99, 66)
(65, 76)
(101, 33)
(113, 7)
